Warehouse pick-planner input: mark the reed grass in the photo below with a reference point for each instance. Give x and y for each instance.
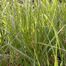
(33, 33)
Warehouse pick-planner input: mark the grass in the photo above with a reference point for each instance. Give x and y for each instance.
(32, 34)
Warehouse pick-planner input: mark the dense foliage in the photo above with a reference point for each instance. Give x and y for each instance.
(32, 33)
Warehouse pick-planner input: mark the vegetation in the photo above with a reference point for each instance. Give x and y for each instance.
(32, 33)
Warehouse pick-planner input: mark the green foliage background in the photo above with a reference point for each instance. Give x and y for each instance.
(33, 34)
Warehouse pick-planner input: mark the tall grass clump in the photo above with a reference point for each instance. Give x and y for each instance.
(32, 33)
